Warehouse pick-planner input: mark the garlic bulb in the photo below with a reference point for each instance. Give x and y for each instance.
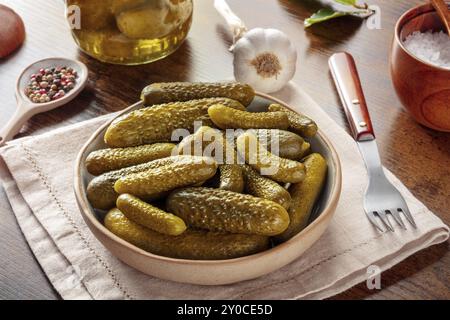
(264, 58)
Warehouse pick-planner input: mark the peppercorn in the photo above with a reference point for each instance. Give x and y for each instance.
(51, 83)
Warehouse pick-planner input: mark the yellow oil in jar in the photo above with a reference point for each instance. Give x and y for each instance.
(131, 31)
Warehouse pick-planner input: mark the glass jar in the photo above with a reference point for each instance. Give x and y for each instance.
(129, 31)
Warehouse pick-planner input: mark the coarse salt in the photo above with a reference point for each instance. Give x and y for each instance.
(432, 47)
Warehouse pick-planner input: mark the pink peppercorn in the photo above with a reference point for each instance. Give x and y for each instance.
(50, 84)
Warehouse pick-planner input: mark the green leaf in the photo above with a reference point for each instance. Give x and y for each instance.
(324, 15)
(346, 2)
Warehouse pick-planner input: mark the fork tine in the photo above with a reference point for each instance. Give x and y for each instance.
(385, 220)
(371, 217)
(409, 217)
(397, 217)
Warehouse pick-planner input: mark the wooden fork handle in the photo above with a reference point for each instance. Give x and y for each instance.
(346, 78)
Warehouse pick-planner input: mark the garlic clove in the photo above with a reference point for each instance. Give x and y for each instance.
(277, 39)
(245, 48)
(265, 59)
(257, 38)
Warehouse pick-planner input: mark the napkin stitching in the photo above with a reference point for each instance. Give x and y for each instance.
(49, 188)
(360, 245)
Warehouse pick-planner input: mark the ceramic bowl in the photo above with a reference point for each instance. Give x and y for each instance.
(213, 272)
(423, 88)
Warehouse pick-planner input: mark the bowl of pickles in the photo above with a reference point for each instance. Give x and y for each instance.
(208, 183)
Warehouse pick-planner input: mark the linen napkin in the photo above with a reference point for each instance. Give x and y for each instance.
(37, 174)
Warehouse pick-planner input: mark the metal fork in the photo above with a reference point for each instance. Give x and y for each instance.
(381, 198)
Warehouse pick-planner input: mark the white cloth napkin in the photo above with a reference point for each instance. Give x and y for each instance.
(37, 175)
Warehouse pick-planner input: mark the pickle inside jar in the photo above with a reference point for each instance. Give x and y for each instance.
(132, 31)
(152, 20)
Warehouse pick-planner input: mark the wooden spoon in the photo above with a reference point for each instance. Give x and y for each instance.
(26, 108)
(443, 12)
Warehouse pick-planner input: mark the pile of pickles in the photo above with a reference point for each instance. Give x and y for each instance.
(180, 199)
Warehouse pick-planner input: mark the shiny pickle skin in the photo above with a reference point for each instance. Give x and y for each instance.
(230, 173)
(157, 123)
(299, 123)
(152, 182)
(100, 190)
(290, 145)
(149, 216)
(191, 244)
(280, 169)
(306, 149)
(231, 178)
(137, 24)
(228, 118)
(208, 139)
(304, 195)
(226, 211)
(265, 188)
(105, 160)
(157, 93)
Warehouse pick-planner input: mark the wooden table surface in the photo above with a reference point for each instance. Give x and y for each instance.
(418, 156)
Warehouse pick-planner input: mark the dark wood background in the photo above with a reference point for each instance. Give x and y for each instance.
(418, 156)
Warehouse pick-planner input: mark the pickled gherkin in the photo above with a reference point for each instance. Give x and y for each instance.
(221, 210)
(191, 244)
(228, 118)
(100, 190)
(208, 142)
(304, 195)
(231, 178)
(135, 23)
(298, 123)
(265, 188)
(267, 164)
(149, 216)
(157, 93)
(104, 160)
(152, 182)
(158, 123)
(306, 149)
(284, 144)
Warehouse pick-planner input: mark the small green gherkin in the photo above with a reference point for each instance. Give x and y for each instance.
(191, 244)
(284, 144)
(267, 164)
(304, 195)
(155, 181)
(265, 188)
(221, 210)
(214, 143)
(149, 216)
(231, 178)
(299, 123)
(209, 142)
(100, 190)
(159, 122)
(105, 160)
(225, 117)
(157, 93)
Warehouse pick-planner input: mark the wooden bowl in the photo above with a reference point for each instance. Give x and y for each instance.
(423, 88)
(212, 272)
